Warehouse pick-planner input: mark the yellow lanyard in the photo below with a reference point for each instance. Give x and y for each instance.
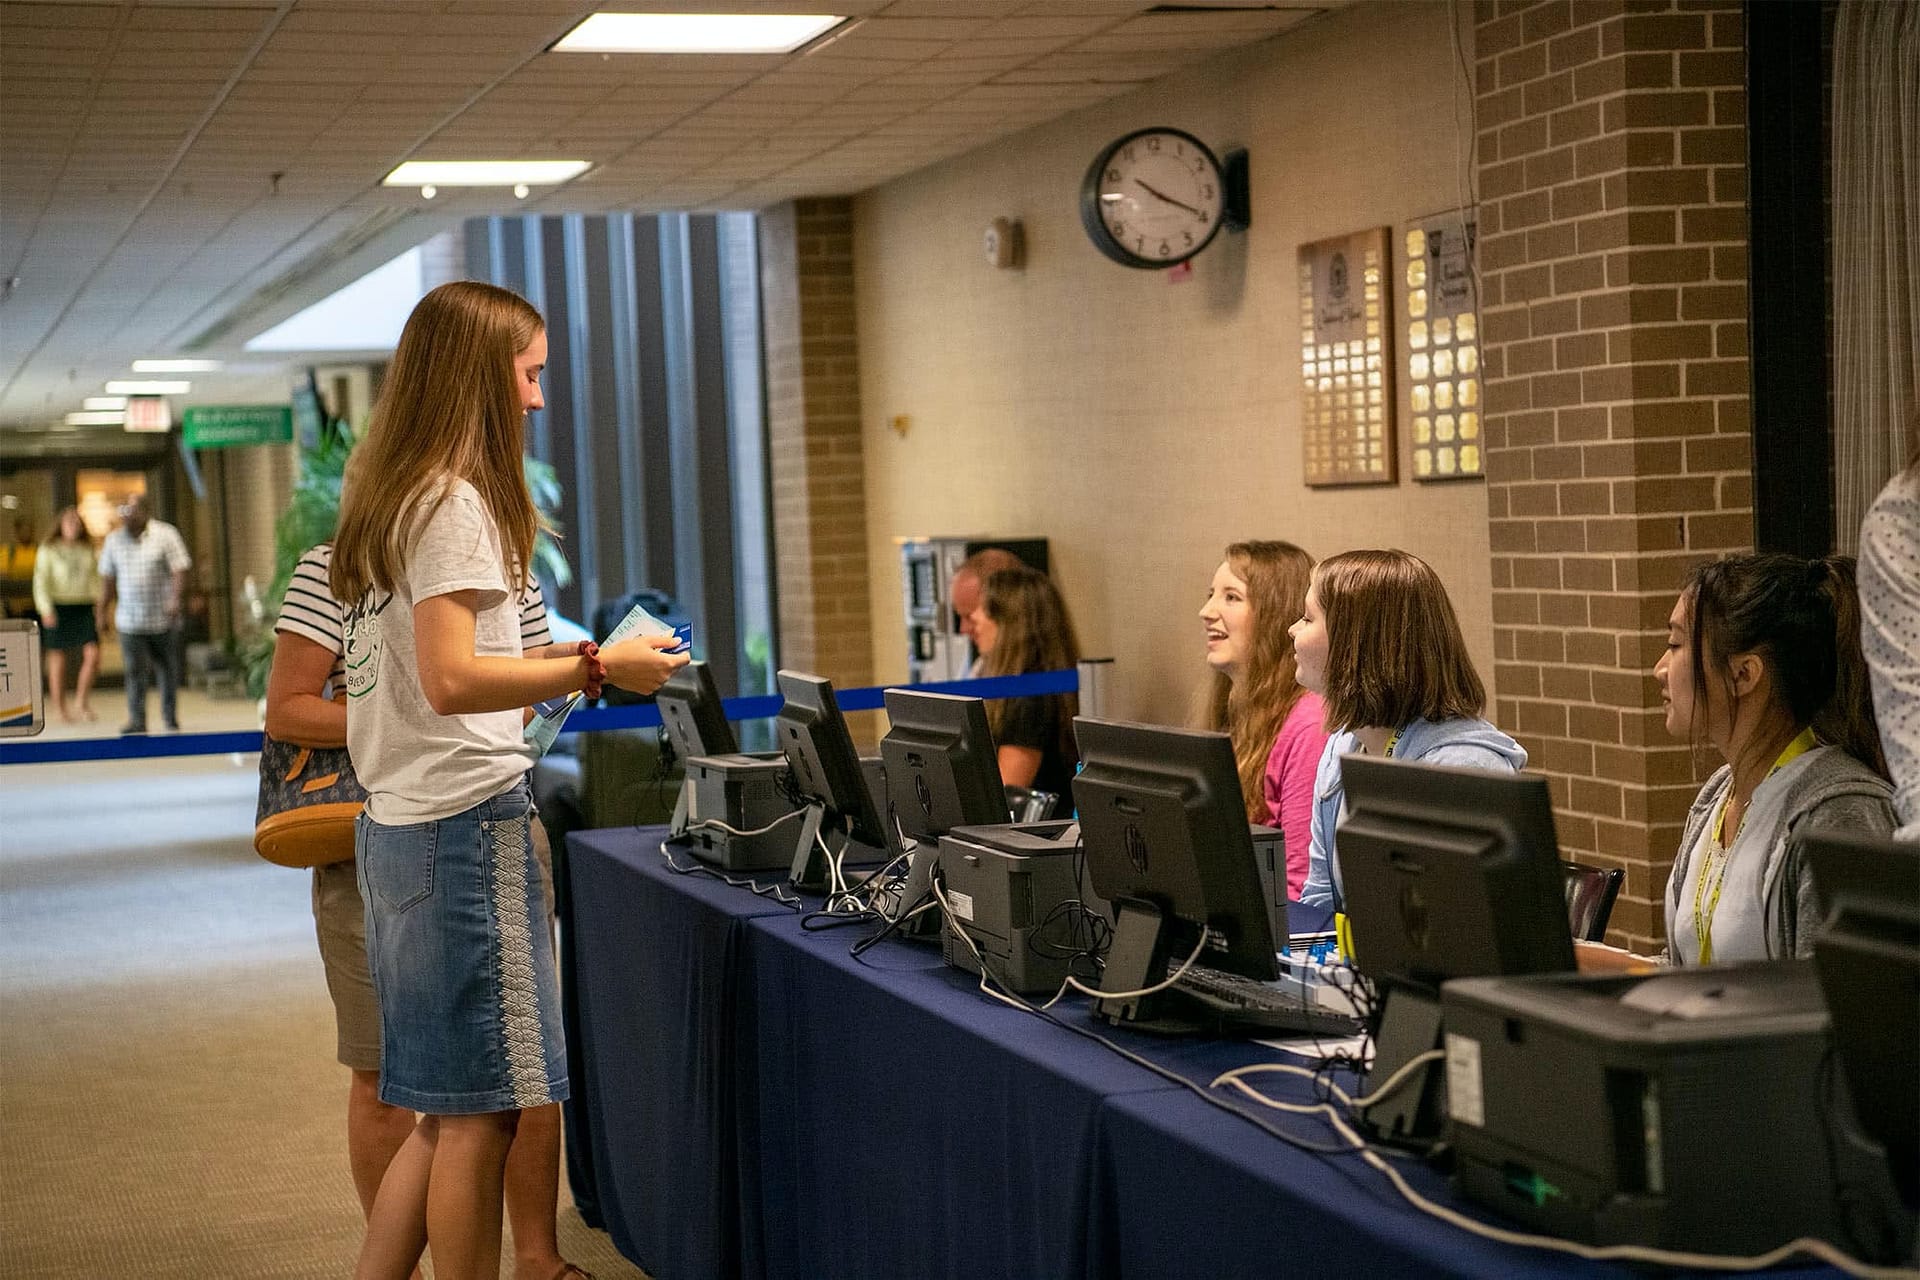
(1392, 742)
(1718, 852)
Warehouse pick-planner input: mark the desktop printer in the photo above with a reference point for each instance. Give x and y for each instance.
(745, 792)
(1692, 1109)
(1006, 886)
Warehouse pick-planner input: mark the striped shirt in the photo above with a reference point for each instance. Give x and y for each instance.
(310, 612)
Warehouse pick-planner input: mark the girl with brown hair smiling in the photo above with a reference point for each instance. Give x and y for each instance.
(1380, 643)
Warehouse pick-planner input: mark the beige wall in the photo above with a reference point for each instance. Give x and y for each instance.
(1140, 424)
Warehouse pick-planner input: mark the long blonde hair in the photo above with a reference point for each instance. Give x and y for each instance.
(448, 407)
(1251, 710)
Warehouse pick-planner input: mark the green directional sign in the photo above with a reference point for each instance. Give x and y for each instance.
(222, 426)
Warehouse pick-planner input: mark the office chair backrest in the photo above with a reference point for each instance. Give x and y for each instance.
(1024, 804)
(1590, 895)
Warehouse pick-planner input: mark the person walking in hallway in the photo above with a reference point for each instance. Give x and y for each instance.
(66, 582)
(143, 576)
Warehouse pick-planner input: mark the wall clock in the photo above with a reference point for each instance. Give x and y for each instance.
(1156, 197)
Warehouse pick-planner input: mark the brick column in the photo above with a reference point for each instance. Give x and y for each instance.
(1613, 254)
(814, 447)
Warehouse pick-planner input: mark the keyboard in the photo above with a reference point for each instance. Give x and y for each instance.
(1248, 1004)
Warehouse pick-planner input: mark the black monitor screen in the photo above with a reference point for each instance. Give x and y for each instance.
(1868, 957)
(690, 710)
(1163, 822)
(942, 770)
(813, 736)
(1451, 873)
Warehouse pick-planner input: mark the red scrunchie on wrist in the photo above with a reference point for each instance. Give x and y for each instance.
(596, 670)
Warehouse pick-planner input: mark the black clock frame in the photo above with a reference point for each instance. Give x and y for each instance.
(1096, 227)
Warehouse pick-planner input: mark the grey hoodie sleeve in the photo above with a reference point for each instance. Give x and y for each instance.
(1852, 814)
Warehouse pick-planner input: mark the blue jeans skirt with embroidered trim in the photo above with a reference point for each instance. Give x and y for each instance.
(462, 961)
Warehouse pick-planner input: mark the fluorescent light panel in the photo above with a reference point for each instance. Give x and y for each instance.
(148, 387)
(696, 32)
(97, 418)
(484, 173)
(176, 366)
(104, 402)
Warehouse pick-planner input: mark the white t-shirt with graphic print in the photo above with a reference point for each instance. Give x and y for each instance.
(309, 611)
(416, 764)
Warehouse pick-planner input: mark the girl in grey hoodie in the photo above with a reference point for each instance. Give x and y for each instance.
(1379, 642)
(1763, 661)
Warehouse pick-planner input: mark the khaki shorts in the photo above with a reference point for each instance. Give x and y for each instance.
(340, 922)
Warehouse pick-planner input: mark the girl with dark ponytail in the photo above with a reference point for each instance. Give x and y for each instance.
(1763, 663)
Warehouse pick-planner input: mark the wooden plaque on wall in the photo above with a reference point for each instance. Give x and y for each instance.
(1346, 360)
(1442, 331)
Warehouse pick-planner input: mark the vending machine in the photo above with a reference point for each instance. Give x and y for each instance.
(935, 648)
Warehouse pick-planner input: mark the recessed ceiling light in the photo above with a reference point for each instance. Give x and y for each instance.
(148, 387)
(696, 32)
(176, 366)
(484, 173)
(104, 402)
(97, 418)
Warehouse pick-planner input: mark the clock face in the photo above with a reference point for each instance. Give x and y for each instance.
(1153, 199)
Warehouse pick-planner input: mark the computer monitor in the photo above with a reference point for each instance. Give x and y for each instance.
(1450, 873)
(1867, 954)
(942, 769)
(942, 772)
(1446, 873)
(826, 771)
(692, 714)
(1167, 841)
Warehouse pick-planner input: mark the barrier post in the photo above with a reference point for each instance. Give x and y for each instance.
(1095, 676)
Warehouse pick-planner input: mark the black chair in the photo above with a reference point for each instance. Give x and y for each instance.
(1027, 805)
(1590, 895)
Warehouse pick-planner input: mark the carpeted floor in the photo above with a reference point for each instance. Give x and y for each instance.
(168, 1096)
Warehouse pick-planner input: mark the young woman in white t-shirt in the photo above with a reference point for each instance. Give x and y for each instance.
(436, 536)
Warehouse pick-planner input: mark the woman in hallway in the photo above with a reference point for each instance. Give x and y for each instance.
(66, 584)
(434, 547)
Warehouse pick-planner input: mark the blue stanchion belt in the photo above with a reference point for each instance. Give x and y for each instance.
(586, 720)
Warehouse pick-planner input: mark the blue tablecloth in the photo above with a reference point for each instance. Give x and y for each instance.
(761, 1103)
(659, 1036)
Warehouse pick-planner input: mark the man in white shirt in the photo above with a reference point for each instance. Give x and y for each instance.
(143, 574)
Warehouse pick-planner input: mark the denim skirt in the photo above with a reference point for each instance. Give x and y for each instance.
(462, 961)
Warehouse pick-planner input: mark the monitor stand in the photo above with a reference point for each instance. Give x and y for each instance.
(1409, 1025)
(810, 870)
(1136, 960)
(677, 825)
(923, 860)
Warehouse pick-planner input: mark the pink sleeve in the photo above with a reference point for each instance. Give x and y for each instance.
(1289, 782)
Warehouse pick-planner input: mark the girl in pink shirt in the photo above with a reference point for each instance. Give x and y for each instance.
(1277, 727)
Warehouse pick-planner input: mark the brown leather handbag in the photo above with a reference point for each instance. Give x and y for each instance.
(309, 799)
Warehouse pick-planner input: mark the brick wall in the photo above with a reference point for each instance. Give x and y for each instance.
(1612, 184)
(814, 452)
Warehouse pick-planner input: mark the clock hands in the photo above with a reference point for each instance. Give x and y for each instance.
(1158, 195)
